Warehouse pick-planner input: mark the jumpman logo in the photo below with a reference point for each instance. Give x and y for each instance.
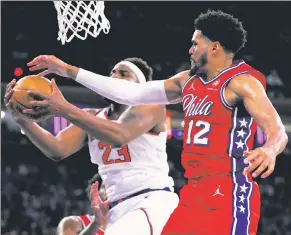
(192, 86)
(217, 192)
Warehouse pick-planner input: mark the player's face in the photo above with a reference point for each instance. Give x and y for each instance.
(198, 53)
(123, 72)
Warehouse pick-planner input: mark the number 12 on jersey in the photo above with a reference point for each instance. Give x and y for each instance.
(200, 136)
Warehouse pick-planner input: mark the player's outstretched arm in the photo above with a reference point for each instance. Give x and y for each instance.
(67, 142)
(137, 121)
(255, 99)
(70, 225)
(121, 91)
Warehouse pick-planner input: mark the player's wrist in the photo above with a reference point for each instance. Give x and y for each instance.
(72, 71)
(271, 150)
(22, 122)
(95, 223)
(63, 109)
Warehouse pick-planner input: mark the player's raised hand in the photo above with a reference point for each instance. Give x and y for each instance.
(52, 104)
(99, 207)
(261, 159)
(50, 63)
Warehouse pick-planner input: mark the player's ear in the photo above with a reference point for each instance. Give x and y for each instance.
(216, 46)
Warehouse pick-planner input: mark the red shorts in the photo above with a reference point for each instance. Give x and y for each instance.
(228, 205)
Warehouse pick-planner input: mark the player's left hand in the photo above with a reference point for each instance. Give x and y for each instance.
(99, 207)
(51, 63)
(53, 104)
(261, 158)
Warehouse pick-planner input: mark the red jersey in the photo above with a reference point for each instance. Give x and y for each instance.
(86, 220)
(215, 133)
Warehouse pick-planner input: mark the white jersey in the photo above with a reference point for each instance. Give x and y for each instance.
(141, 164)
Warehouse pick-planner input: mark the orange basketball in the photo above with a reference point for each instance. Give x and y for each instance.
(21, 99)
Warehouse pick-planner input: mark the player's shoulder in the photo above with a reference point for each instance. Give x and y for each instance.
(180, 78)
(242, 77)
(245, 78)
(247, 71)
(181, 75)
(245, 84)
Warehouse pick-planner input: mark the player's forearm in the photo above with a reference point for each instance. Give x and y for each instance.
(121, 91)
(91, 229)
(42, 139)
(277, 139)
(109, 132)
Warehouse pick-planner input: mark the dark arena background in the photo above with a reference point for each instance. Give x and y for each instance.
(37, 192)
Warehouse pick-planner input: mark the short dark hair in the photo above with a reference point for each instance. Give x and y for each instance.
(143, 66)
(222, 27)
(94, 178)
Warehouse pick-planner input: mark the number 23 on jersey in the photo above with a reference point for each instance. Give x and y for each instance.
(122, 153)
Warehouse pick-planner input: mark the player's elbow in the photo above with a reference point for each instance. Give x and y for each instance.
(120, 139)
(56, 156)
(60, 152)
(118, 142)
(285, 138)
(281, 131)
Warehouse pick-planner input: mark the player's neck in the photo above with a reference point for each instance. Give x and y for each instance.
(218, 67)
(116, 110)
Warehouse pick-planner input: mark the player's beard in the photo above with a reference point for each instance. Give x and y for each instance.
(197, 66)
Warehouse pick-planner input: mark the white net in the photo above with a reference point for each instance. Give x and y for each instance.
(80, 18)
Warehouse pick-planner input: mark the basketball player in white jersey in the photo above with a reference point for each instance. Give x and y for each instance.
(129, 145)
(85, 224)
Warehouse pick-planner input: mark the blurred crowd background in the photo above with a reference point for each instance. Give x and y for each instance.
(37, 192)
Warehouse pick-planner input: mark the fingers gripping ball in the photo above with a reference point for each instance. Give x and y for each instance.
(21, 98)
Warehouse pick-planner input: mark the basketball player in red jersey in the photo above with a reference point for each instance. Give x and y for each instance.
(85, 224)
(223, 102)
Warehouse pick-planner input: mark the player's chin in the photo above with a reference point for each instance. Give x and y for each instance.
(193, 70)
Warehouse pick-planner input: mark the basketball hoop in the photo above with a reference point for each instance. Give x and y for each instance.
(80, 18)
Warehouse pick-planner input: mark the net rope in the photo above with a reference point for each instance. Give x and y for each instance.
(80, 19)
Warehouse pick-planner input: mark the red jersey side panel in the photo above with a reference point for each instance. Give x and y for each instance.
(86, 220)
